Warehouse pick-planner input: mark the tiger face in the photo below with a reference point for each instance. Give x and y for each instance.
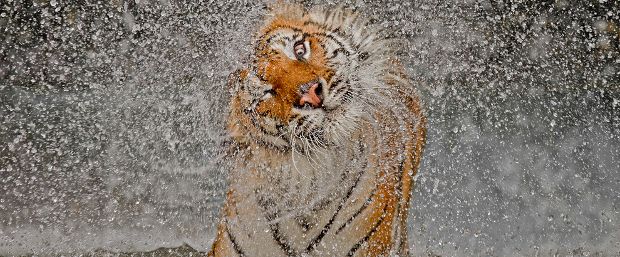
(300, 90)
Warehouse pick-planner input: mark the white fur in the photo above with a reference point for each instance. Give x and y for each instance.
(312, 172)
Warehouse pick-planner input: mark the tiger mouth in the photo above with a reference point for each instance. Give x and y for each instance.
(301, 135)
(310, 125)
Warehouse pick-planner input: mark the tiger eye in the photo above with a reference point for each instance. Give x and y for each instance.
(300, 49)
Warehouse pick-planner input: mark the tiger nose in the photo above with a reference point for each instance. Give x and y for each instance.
(311, 95)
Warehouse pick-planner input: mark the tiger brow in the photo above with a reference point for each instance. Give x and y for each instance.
(298, 36)
(282, 40)
(330, 36)
(340, 50)
(270, 32)
(341, 46)
(277, 38)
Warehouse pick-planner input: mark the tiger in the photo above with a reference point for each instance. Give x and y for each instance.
(327, 132)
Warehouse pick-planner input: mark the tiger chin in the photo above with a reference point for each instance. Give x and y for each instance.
(327, 133)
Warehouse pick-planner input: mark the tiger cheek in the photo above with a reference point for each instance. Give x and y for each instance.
(319, 60)
(318, 53)
(275, 108)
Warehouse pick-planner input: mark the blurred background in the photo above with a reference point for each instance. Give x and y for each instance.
(111, 123)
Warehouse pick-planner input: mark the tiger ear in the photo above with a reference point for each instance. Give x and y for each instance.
(236, 80)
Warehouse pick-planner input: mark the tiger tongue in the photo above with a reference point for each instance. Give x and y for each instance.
(310, 96)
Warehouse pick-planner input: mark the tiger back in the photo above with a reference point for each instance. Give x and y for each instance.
(328, 133)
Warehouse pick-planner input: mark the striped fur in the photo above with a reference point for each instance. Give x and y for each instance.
(329, 181)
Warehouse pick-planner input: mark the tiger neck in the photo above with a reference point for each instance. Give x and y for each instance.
(294, 183)
(270, 165)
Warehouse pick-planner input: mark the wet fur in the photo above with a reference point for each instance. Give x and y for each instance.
(333, 181)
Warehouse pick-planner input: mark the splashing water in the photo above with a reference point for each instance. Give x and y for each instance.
(112, 123)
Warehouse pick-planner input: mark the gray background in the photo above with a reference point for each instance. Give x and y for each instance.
(111, 123)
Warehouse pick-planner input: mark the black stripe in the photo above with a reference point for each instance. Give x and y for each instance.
(339, 50)
(347, 96)
(340, 44)
(295, 30)
(301, 121)
(266, 144)
(353, 45)
(232, 239)
(363, 56)
(368, 235)
(325, 203)
(286, 38)
(320, 34)
(303, 223)
(260, 75)
(325, 229)
(399, 190)
(358, 212)
(399, 186)
(265, 205)
(321, 205)
(262, 129)
(339, 90)
(251, 113)
(335, 83)
(337, 31)
(308, 22)
(275, 232)
(403, 245)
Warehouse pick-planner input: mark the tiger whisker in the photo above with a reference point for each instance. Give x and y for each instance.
(293, 150)
(316, 149)
(309, 151)
(359, 96)
(390, 89)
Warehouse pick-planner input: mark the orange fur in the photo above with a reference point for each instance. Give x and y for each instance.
(370, 219)
(274, 68)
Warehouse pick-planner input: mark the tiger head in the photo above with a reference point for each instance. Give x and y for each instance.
(313, 77)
